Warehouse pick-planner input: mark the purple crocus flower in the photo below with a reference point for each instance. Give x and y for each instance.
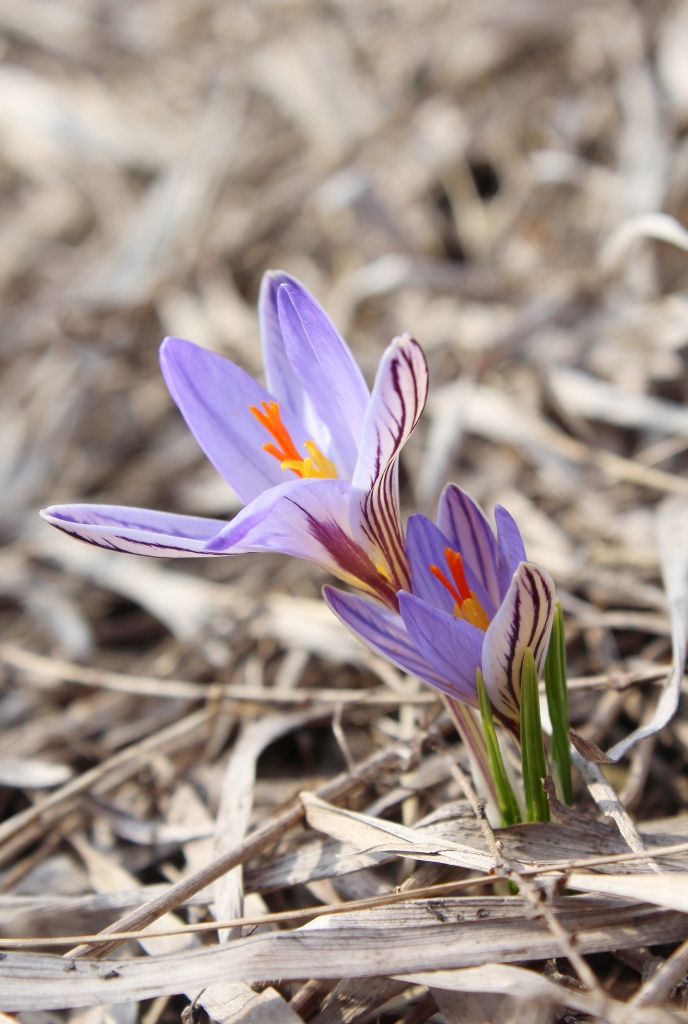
(314, 457)
(475, 603)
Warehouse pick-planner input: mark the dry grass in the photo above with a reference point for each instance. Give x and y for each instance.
(482, 175)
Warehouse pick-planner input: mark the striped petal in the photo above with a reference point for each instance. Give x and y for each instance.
(384, 632)
(307, 519)
(523, 620)
(138, 531)
(452, 646)
(214, 397)
(397, 401)
(463, 523)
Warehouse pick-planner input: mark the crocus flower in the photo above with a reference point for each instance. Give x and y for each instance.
(314, 457)
(475, 603)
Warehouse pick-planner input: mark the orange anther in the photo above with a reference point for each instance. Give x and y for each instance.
(438, 574)
(455, 563)
(467, 606)
(316, 465)
(272, 421)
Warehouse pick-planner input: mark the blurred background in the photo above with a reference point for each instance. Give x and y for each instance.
(470, 171)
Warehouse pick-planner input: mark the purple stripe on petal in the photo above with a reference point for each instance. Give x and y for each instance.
(524, 620)
(425, 546)
(463, 522)
(137, 531)
(214, 397)
(452, 646)
(398, 399)
(384, 632)
(511, 550)
(307, 519)
(327, 371)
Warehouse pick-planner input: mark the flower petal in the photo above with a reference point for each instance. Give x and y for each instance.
(511, 550)
(214, 397)
(326, 369)
(139, 531)
(399, 394)
(384, 632)
(307, 519)
(523, 620)
(279, 374)
(463, 522)
(452, 646)
(425, 546)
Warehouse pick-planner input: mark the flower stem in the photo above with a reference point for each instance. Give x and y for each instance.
(508, 806)
(532, 746)
(468, 728)
(558, 703)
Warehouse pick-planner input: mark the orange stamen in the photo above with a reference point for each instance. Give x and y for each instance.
(467, 604)
(286, 450)
(438, 574)
(455, 563)
(316, 465)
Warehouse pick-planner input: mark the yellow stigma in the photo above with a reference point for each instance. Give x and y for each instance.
(316, 465)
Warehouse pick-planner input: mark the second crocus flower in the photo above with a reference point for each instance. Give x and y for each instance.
(475, 602)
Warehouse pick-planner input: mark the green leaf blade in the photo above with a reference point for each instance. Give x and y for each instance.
(508, 805)
(532, 746)
(558, 703)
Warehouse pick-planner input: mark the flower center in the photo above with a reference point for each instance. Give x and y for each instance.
(467, 605)
(315, 465)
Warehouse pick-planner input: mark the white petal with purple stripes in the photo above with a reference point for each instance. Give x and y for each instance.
(138, 531)
(523, 620)
(397, 401)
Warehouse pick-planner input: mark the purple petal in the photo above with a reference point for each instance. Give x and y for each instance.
(452, 646)
(524, 620)
(307, 519)
(399, 394)
(464, 524)
(326, 369)
(511, 550)
(214, 396)
(425, 546)
(139, 531)
(280, 376)
(384, 632)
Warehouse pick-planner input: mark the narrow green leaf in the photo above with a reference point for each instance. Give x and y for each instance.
(508, 806)
(558, 703)
(532, 746)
